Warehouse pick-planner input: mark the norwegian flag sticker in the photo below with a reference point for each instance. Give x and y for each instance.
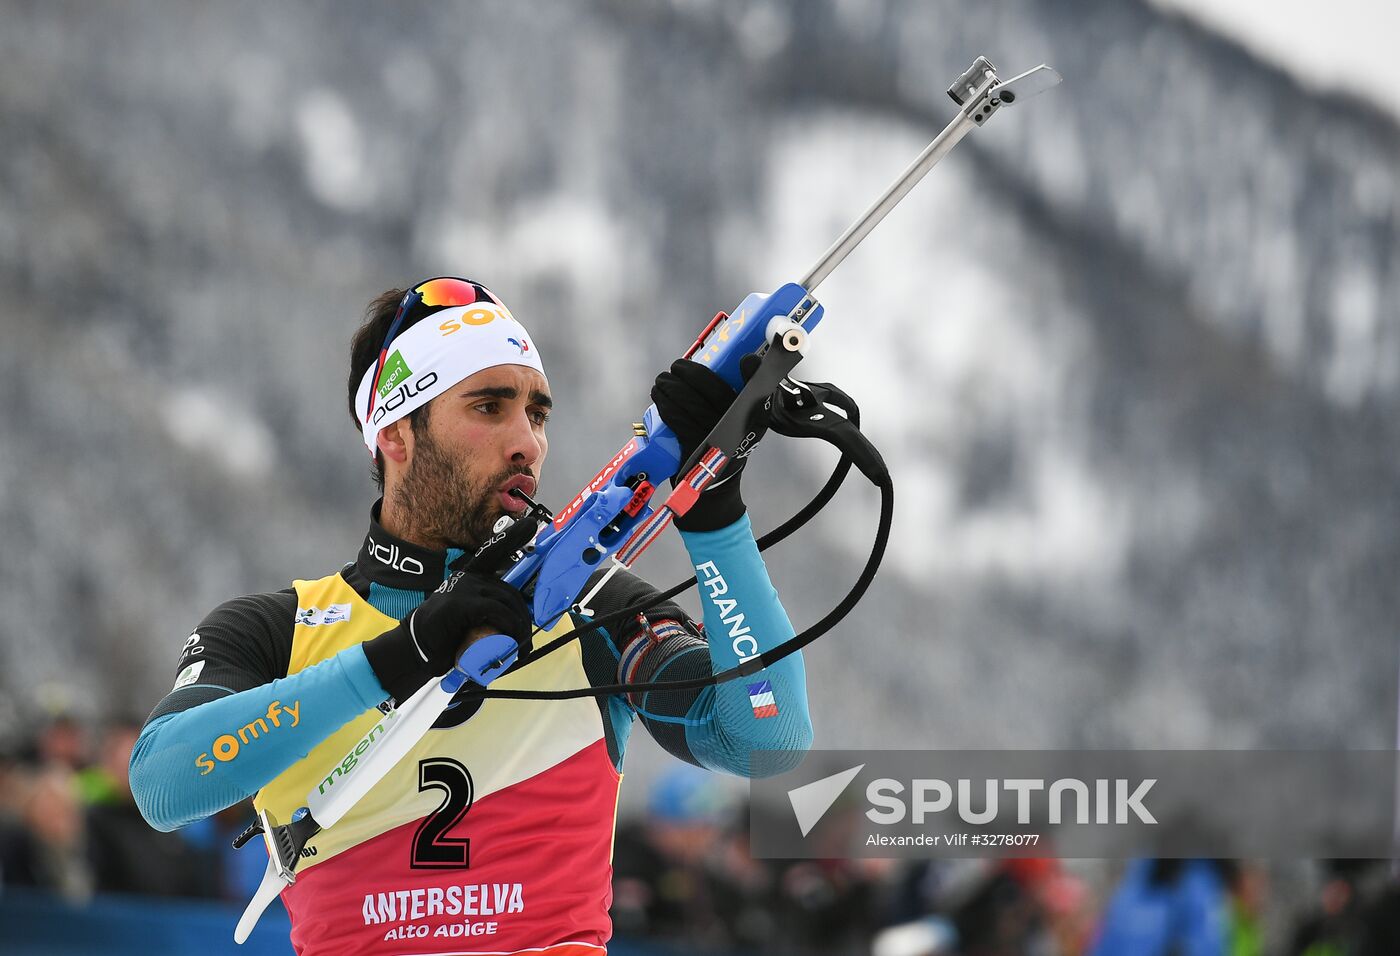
(761, 697)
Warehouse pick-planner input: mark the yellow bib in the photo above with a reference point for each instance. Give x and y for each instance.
(504, 743)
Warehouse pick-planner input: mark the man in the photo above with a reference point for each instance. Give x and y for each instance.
(494, 834)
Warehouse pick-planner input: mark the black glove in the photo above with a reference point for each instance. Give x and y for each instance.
(425, 645)
(691, 400)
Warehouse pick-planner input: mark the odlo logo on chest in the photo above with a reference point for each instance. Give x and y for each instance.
(227, 746)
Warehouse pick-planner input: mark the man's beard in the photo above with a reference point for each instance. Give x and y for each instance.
(440, 503)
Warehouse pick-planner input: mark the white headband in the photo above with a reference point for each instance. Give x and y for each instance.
(437, 353)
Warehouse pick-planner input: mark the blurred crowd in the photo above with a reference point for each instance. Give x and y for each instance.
(69, 825)
(684, 875)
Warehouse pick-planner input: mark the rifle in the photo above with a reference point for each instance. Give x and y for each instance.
(753, 349)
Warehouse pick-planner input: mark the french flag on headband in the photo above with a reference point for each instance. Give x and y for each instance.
(761, 697)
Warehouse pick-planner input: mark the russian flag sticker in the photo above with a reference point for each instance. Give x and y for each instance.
(761, 697)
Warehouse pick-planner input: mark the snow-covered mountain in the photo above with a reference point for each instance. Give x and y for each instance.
(1131, 351)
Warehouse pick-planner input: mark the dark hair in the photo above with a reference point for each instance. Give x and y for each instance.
(364, 352)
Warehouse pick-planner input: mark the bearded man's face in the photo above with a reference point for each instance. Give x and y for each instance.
(479, 440)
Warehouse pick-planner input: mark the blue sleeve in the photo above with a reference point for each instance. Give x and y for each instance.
(190, 764)
(1187, 917)
(1202, 901)
(743, 618)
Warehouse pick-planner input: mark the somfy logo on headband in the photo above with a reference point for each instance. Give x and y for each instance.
(477, 316)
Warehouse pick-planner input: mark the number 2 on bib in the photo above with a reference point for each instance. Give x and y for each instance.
(432, 849)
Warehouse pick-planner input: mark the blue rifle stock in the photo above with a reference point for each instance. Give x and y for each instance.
(606, 513)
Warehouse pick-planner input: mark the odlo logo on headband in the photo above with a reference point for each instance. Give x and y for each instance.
(403, 393)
